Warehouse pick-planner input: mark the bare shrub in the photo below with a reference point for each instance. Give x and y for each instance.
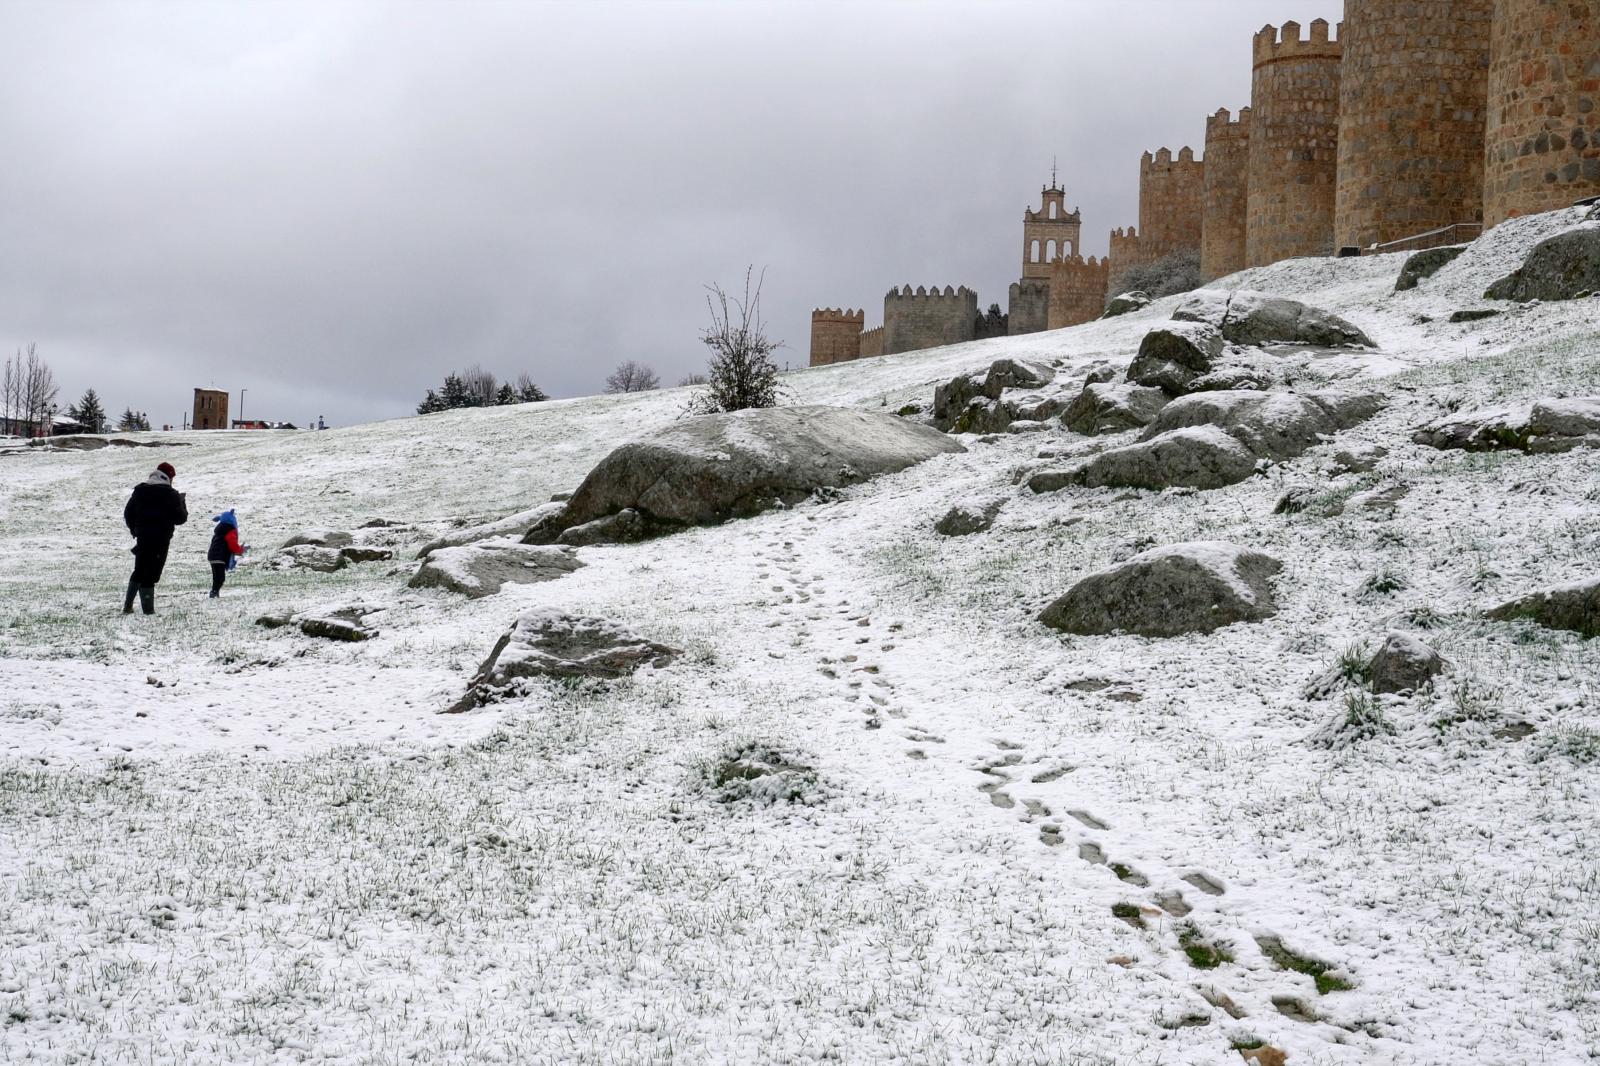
(632, 376)
(741, 369)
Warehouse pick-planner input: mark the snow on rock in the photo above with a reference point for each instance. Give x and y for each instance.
(320, 538)
(481, 569)
(969, 517)
(323, 560)
(1182, 588)
(709, 469)
(1574, 606)
(1172, 356)
(1404, 664)
(973, 403)
(1425, 264)
(514, 525)
(1197, 457)
(1563, 267)
(1127, 303)
(1549, 425)
(1273, 425)
(1258, 318)
(1112, 407)
(552, 644)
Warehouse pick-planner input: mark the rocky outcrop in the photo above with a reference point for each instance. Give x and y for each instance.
(1403, 665)
(1171, 357)
(515, 525)
(1424, 265)
(320, 538)
(1257, 318)
(1126, 304)
(1199, 457)
(309, 557)
(709, 469)
(973, 403)
(555, 645)
(969, 517)
(1167, 592)
(1544, 426)
(1574, 606)
(1272, 425)
(482, 569)
(1111, 407)
(1563, 267)
(345, 624)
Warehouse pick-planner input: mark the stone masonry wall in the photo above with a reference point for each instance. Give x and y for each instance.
(835, 335)
(1029, 308)
(1077, 291)
(1172, 203)
(1294, 135)
(927, 318)
(1125, 252)
(1222, 247)
(1411, 117)
(872, 343)
(1543, 136)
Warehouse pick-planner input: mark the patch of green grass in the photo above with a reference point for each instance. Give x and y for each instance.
(1318, 971)
(1129, 913)
(1202, 953)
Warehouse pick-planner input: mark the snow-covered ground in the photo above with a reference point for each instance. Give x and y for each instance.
(220, 843)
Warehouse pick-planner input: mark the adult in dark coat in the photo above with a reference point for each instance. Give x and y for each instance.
(153, 511)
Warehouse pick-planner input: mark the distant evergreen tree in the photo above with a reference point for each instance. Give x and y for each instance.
(506, 395)
(129, 421)
(88, 412)
(454, 395)
(144, 421)
(528, 392)
(430, 403)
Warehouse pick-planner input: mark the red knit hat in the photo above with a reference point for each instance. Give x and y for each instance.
(166, 468)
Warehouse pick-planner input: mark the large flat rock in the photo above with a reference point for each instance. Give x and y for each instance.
(482, 569)
(1574, 606)
(1273, 425)
(1258, 318)
(1551, 425)
(1563, 267)
(709, 469)
(1182, 588)
(549, 644)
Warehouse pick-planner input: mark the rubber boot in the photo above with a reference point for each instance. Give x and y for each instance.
(147, 599)
(127, 601)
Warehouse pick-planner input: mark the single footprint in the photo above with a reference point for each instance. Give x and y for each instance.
(1091, 853)
(1294, 1010)
(1087, 819)
(1036, 809)
(1210, 886)
(916, 753)
(1173, 903)
(1050, 834)
(1000, 799)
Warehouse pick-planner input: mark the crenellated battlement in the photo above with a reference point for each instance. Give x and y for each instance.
(1077, 290)
(1272, 45)
(1162, 161)
(835, 314)
(904, 292)
(1223, 125)
(1129, 234)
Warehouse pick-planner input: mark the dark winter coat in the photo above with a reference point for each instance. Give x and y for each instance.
(152, 512)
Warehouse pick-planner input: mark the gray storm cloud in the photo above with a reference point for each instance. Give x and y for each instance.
(334, 204)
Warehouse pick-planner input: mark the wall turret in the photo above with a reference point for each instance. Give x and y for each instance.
(924, 318)
(1294, 139)
(1543, 135)
(1077, 290)
(1049, 233)
(1172, 198)
(1413, 89)
(835, 335)
(1222, 248)
(1125, 252)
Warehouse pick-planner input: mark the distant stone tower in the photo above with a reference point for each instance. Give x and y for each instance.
(1222, 248)
(1077, 290)
(1172, 199)
(1048, 234)
(928, 318)
(835, 335)
(1125, 252)
(1411, 117)
(1294, 143)
(1543, 133)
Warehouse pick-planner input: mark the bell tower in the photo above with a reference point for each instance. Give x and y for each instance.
(1049, 235)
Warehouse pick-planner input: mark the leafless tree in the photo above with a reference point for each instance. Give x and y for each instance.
(27, 392)
(693, 379)
(481, 386)
(632, 376)
(741, 370)
(528, 391)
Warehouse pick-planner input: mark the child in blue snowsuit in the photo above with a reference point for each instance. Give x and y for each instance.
(223, 555)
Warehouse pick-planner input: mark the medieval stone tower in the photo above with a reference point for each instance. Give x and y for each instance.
(1411, 118)
(1048, 234)
(1077, 290)
(1543, 148)
(1294, 143)
(1222, 248)
(835, 335)
(928, 318)
(1124, 251)
(1172, 197)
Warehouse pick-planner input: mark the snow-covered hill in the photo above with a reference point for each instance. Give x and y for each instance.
(220, 843)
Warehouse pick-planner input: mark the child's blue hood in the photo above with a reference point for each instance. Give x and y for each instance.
(226, 518)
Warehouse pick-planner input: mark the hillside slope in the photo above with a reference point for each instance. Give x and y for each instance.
(223, 843)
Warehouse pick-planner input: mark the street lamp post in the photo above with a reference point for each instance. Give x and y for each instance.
(241, 403)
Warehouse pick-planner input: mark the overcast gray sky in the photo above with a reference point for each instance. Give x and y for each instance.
(332, 204)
